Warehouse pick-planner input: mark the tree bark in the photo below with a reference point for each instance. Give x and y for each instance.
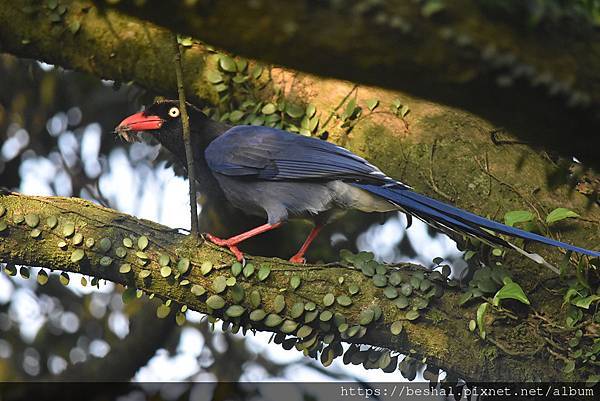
(440, 335)
(440, 151)
(539, 82)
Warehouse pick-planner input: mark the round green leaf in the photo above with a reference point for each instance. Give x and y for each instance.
(163, 311)
(353, 289)
(236, 116)
(279, 303)
(255, 298)
(237, 293)
(235, 311)
(396, 328)
(215, 302)
(379, 280)
(248, 270)
(304, 331)
(180, 319)
(214, 77)
(366, 316)
(142, 242)
(297, 310)
(32, 220)
(325, 316)
(236, 269)
(257, 315)
(273, 320)
(257, 71)
(165, 271)
(227, 63)
(263, 273)
(372, 104)
(219, 284)
(163, 259)
(294, 111)
(406, 289)
(401, 302)
(68, 229)
(269, 108)
(395, 278)
(105, 261)
(42, 277)
(472, 325)
(77, 255)
(289, 326)
(328, 299)
(64, 278)
(104, 244)
(205, 267)
(390, 292)
(198, 290)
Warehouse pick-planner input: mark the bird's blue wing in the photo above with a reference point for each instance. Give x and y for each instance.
(274, 155)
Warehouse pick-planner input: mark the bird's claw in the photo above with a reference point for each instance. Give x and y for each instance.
(229, 244)
(298, 259)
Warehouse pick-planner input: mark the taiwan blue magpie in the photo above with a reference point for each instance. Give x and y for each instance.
(279, 175)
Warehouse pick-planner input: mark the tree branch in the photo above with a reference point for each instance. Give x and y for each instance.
(540, 82)
(73, 235)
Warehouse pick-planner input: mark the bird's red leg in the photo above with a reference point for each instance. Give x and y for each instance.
(232, 242)
(299, 256)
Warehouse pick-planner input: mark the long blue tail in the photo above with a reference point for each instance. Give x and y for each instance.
(435, 211)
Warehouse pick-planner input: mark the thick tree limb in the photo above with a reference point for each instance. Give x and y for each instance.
(521, 81)
(539, 82)
(441, 334)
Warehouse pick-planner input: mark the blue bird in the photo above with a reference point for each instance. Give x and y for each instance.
(279, 175)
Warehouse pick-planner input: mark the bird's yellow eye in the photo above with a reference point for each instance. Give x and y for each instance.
(174, 112)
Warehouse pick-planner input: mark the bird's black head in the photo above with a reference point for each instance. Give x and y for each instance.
(163, 119)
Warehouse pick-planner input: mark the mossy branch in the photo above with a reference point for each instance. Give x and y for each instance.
(538, 81)
(526, 84)
(309, 302)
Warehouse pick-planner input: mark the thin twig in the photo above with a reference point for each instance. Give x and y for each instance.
(185, 122)
(431, 180)
(355, 87)
(495, 137)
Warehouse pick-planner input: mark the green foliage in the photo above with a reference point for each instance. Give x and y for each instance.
(517, 216)
(242, 89)
(481, 312)
(560, 214)
(510, 290)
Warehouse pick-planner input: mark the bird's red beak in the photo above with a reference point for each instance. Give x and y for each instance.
(140, 122)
